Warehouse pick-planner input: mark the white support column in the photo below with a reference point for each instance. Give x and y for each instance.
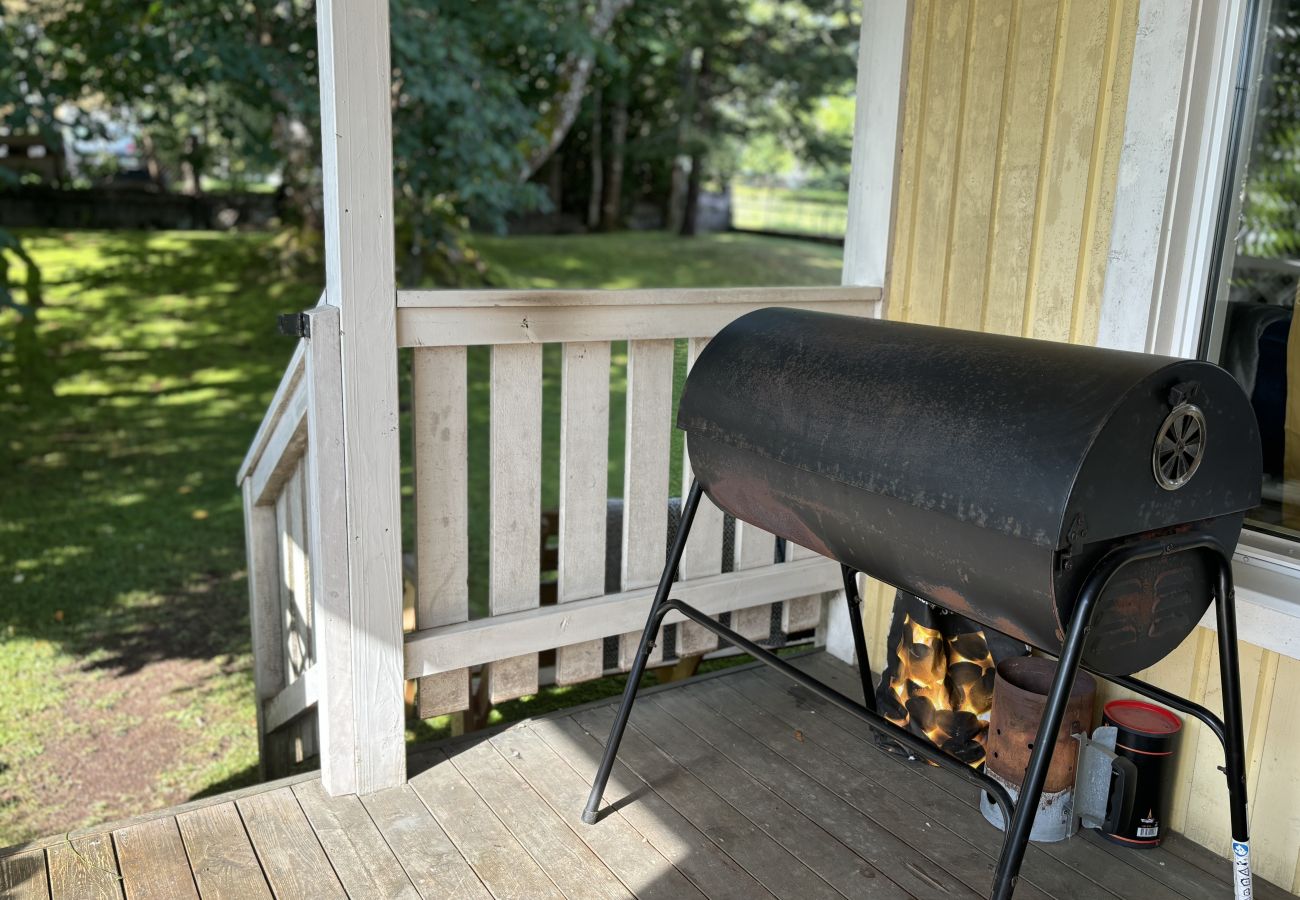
(873, 185)
(356, 145)
(877, 141)
(1176, 130)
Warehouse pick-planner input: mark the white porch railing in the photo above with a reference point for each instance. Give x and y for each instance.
(295, 506)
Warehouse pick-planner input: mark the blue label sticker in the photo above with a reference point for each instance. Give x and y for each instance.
(1240, 849)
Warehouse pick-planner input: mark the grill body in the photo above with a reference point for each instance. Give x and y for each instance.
(987, 474)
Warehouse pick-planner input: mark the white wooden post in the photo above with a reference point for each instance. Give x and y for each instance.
(363, 746)
(877, 143)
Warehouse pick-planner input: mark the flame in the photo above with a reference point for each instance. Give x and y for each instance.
(943, 691)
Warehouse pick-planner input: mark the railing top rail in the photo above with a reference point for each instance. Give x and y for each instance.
(283, 400)
(464, 318)
(498, 297)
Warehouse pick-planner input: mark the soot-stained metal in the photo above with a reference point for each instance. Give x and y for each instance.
(986, 474)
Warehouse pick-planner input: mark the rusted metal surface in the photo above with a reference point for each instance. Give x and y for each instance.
(984, 473)
(1019, 692)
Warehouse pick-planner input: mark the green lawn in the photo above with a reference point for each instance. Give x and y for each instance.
(814, 212)
(124, 668)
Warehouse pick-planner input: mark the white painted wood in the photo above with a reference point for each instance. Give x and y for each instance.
(484, 640)
(302, 694)
(356, 145)
(1146, 159)
(294, 588)
(516, 504)
(584, 476)
(839, 631)
(284, 393)
(877, 140)
(1200, 153)
(443, 318)
(702, 555)
(440, 427)
(755, 548)
(261, 542)
(327, 553)
(801, 613)
(645, 476)
(283, 450)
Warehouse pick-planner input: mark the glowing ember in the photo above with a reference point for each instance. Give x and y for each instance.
(942, 688)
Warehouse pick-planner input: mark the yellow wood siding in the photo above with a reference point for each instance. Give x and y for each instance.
(1013, 121)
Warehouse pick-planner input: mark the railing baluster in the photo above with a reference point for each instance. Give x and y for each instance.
(515, 506)
(584, 473)
(645, 475)
(801, 613)
(754, 548)
(441, 511)
(703, 554)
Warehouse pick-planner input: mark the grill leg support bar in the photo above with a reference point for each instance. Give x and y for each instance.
(1229, 731)
(1019, 815)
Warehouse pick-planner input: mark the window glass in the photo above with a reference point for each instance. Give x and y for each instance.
(1252, 331)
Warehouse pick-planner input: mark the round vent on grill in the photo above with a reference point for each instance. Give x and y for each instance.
(1180, 446)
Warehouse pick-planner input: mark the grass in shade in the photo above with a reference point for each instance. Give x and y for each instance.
(125, 678)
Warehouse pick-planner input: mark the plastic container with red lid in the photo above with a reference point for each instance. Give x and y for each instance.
(1147, 735)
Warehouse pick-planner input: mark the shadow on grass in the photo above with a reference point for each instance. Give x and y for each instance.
(121, 525)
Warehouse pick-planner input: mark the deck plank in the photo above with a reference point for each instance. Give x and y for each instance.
(775, 867)
(292, 858)
(1214, 866)
(428, 856)
(221, 856)
(832, 804)
(362, 859)
(697, 857)
(500, 861)
(636, 862)
(567, 861)
(23, 876)
(151, 857)
(948, 834)
(84, 869)
(811, 822)
(1087, 861)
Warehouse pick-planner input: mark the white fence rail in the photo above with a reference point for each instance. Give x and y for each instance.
(295, 500)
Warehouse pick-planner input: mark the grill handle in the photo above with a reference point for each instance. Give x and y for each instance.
(1123, 788)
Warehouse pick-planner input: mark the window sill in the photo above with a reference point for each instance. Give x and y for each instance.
(1267, 575)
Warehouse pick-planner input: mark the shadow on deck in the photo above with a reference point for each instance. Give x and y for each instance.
(734, 785)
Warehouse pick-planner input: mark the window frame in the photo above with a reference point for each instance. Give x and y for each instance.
(1168, 247)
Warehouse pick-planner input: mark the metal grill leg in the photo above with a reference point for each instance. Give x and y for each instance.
(859, 637)
(1031, 789)
(1234, 745)
(657, 613)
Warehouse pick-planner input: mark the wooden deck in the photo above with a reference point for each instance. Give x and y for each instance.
(736, 785)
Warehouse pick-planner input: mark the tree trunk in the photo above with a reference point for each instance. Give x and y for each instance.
(574, 75)
(555, 184)
(691, 209)
(597, 163)
(613, 205)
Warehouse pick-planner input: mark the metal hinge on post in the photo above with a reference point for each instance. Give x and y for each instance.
(294, 324)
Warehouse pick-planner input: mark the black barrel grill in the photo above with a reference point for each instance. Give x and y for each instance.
(1084, 500)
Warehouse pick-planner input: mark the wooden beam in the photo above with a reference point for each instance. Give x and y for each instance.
(284, 395)
(327, 554)
(356, 145)
(455, 318)
(481, 641)
(293, 701)
(877, 140)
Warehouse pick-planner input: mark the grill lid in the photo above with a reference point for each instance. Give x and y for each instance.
(988, 430)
